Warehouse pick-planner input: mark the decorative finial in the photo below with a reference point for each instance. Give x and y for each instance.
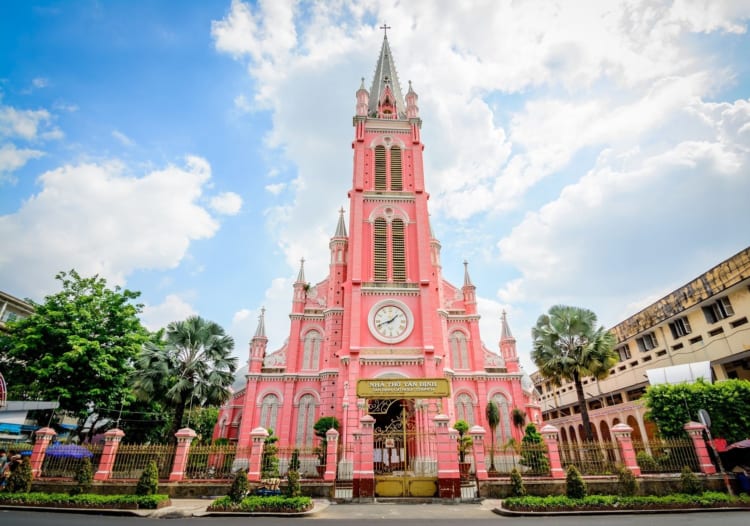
(385, 29)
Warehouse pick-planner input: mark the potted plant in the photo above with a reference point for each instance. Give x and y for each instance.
(464, 444)
(320, 429)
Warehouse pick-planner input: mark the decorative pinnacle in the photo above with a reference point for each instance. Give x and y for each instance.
(301, 275)
(340, 226)
(385, 29)
(467, 279)
(260, 332)
(505, 333)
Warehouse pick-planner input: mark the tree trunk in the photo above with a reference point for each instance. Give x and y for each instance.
(588, 435)
(179, 413)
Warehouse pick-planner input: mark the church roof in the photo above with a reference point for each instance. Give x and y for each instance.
(385, 74)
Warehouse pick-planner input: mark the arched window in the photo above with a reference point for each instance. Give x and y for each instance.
(397, 183)
(269, 411)
(305, 421)
(311, 350)
(503, 433)
(459, 350)
(381, 250)
(465, 408)
(380, 168)
(399, 251)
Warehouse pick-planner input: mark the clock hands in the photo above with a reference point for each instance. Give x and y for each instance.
(387, 322)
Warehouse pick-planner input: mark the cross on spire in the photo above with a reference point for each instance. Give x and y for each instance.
(385, 29)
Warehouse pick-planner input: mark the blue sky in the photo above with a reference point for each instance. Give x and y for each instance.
(590, 153)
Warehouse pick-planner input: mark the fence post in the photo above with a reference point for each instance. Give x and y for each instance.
(112, 439)
(257, 441)
(695, 431)
(363, 483)
(622, 433)
(185, 437)
(43, 438)
(477, 437)
(549, 435)
(332, 442)
(449, 480)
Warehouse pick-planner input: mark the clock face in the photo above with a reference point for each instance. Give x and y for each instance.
(390, 322)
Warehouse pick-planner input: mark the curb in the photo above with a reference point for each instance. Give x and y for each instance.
(512, 513)
(318, 506)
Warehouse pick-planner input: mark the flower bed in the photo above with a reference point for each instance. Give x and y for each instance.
(613, 502)
(258, 504)
(89, 501)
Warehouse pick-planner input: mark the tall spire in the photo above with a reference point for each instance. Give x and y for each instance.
(340, 227)
(386, 78)
(260, 332)
(301, 275)
(467, 279)
(505, 333)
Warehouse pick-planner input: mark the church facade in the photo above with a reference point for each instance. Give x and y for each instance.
(384, 312)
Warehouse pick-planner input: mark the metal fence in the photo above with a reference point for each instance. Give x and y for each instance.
(132, 459)
(665, 455)
(309, 461)
(64, 461)
(216, 462)
(591, 458)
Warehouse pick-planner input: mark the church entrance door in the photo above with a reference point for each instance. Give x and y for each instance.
(405, 461)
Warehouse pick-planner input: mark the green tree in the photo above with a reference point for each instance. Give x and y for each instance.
(464, 440)
(239, 486)
(493, 419)
(78, 347)
(322, 425)
(84, 477)
(148, 483)
(534, 452)
(517, 489)
(575, 487)
(190, 366)
(269, 464)
(567, 345)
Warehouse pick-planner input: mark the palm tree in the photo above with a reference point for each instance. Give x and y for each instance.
(190, 363)
(493, 419)
(568, 346)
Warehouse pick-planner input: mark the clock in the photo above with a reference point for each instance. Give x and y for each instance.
(390, 321)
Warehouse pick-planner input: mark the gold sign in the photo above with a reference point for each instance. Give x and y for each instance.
(404, 388)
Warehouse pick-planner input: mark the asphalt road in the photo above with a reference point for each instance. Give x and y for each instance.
(365, 515)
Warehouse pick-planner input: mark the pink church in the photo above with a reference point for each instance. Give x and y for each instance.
(383, 334)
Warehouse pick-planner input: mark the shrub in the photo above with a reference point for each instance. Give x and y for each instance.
(575, 487)
(148, 484)
(239, 486)
(689, 482)
(646, 462)
(293, 488)
(20, 479)
(84, 477)
(627, 484)
(534, 452)
(294, 463)
(517, 489)
(270, 459)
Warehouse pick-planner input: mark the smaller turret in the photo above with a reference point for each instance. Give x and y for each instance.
(469, 291)
(300, 289)
(258, 344)
(363, 99)
(508, 345)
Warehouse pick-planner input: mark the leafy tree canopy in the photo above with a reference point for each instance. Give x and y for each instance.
(672, 406)
(78, 347)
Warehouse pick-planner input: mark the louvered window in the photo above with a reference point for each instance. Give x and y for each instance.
(269, 411)
(305, 421)
(380, 168)
(399, 256)
(396, 180)
(459, 350)
(311, 351)
(465, 408)
(503, 434)
(381, 250)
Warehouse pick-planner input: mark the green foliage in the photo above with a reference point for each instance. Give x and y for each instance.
(518, 418)
(493, 419)
(202, 421)
(239, 488)
(189, 364)
(534, 452)
(689, 482)
(609, 502)
(464, 441)
(20, 479)
(323, 424)
(293, 488)
(84, 477)
(256, 503)
(148, 484)
(627, 484)
(270, 460)
(671, 406)
(77, 347)
(517, 489)
(646, 462)
(294, 463)
(575, 487)
(567, 346)
(84, 500)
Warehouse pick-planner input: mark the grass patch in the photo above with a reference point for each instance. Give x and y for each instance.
(85, 500)
(616, 502)
(275, 504)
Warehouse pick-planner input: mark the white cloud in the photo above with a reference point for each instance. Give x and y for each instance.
(242, 104)
(22, 123)
(227, 203)
(122, 138)
(275, 189)
(99, 219)
(40, 82)
(173, 308)
(12, 158)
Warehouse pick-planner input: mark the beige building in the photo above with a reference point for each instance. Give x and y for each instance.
(705, 320)
(12, 308)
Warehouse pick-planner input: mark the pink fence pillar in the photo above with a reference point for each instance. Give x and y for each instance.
(43, 438)
(622, 434)
(549, 435)
(112, 439)
(332, 444)
(185, 437)
(363, 483)
(449, 480)
(257, 442)
(477, 436)
(695, 432)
